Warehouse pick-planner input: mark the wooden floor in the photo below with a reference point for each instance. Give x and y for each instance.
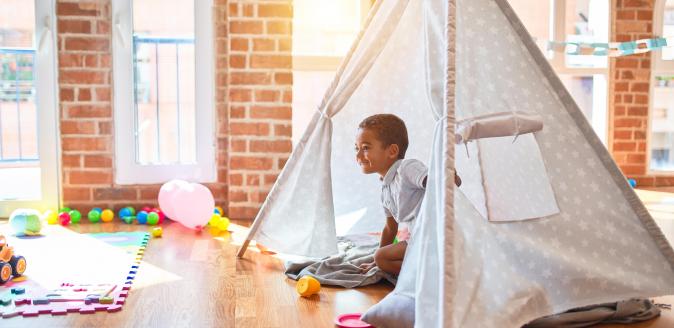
(194, 279)
(191, 279)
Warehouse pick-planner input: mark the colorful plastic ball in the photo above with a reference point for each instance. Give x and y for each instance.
(223, 224)
(132, 210)
(64, 210)
(152, 218)
(157, 232)
(147, 209)
(142, 217)
(75, 216)
(94, 216)
(107, 215)
(125, 212)
(128, 219)
(217, 211)
(215, 219)
(51, 216)
(161, 214)
(632, 182)
(97, 209)
(64, 218)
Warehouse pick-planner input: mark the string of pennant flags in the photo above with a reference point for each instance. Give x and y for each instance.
(610, 49)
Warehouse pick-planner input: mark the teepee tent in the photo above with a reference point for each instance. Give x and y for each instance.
(543, 222)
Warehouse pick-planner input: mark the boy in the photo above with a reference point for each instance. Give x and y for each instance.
(381, 144)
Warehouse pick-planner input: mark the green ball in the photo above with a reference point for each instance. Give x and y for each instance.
(94, 216)
(128, 219)
(75, 216)
(64, 209)
(132, 210)
(152, 218)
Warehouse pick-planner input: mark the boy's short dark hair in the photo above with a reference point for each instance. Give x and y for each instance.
(390, 129)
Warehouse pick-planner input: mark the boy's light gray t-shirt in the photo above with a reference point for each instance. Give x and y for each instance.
(402, 191)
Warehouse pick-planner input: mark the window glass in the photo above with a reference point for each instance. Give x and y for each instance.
(164, 81)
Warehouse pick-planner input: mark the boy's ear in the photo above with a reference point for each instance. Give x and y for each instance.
(393, 150)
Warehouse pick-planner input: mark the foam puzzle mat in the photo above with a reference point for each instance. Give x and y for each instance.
(68, 272)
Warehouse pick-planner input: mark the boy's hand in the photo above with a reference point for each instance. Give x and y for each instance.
(365, 267)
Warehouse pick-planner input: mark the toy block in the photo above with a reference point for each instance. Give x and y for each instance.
(80, 290)
(121, 301)
(18, 290)
(5, 301)
(39, 301)
(21, 301)
(87, 310)
(106, 300)
(124, 294)
(100, 307)
(114, 308)
(126, 287)
(44, 311)
(132, 272)
(59, 312)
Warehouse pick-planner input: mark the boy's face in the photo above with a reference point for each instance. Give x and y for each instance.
(372, 155)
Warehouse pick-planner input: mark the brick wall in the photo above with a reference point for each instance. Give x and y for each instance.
(629, 89)
(260, 99)
(253, 90)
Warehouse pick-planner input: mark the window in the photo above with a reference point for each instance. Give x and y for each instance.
(661, 134)
(585, 76)
(164, 91)
(28, 105)
(323, 32)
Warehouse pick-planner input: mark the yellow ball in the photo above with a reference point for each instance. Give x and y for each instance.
(157, 232)
(107, 215)
(51, 216)
(215, 219)
(223, 224)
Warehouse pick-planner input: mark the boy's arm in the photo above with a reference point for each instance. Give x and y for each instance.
(389, 232)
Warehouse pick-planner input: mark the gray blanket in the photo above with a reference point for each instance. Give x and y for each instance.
(623, 312)
(342, 269)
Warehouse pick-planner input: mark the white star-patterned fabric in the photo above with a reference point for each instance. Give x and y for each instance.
(586, 239)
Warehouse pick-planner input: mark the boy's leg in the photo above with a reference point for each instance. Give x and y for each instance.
(390, 258)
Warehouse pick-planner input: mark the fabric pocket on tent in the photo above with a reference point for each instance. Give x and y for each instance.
(506, 180)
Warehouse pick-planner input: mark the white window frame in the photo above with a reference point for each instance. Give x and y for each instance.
(46, 85)
(658, 67)
(127, 169)
(558, 63)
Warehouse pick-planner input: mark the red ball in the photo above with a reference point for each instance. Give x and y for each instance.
(64, 218)
(147, 209)
(161, 214)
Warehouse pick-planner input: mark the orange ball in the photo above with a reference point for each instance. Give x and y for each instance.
(107, 215)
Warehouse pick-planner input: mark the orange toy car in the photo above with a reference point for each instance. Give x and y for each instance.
(10, 264)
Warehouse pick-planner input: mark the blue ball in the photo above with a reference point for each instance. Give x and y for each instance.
(97, 209)
(632, 182)
(125, 212)
(142, 217)
(216, 211)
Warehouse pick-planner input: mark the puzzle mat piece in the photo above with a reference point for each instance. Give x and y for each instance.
(62, 256)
